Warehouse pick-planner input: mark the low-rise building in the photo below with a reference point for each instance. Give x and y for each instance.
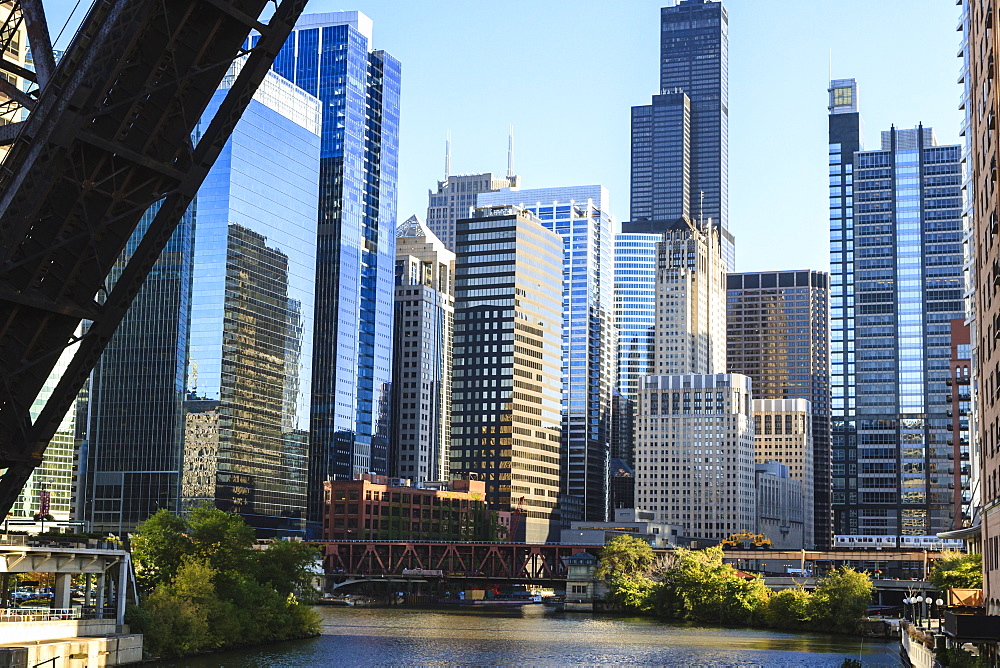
(781, 506)
(373, 507)
(640, 524)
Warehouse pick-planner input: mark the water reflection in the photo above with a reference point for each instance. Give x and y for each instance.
(534, 635)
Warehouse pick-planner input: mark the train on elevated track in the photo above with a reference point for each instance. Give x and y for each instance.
(861, 542)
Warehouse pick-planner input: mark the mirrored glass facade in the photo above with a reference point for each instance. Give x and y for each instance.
(203, 395)
(896, 283)
(329, 55)
(580, 216)
(777, 331)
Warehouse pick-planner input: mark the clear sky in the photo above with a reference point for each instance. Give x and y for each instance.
(565, 74)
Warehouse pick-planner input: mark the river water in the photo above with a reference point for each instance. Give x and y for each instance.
(534, 635)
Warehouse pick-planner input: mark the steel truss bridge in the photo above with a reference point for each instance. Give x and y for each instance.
(525, 562)
(520, 562)
(107, 138)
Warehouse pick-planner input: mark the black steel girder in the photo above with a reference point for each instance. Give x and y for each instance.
(108, 138)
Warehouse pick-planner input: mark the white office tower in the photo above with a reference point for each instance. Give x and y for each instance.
(690, 330)
(695, 453)
(694, 429)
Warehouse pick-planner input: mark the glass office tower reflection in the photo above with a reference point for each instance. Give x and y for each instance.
(896, 282)
(203, 395)
(580, 215)
(329, 55)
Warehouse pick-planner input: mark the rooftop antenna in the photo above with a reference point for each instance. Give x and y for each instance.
(447, 155)
(510, 153)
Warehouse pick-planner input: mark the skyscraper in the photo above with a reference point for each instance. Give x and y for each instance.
(680, 142)
(506, 421)
(456, 194)
(330, 56)
(421, 382)
(203, 393)
(777, 334)
(895, 283)
(580, 216)
(695, 453)
(635, 308)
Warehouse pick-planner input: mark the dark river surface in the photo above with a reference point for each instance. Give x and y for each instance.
(535, 635)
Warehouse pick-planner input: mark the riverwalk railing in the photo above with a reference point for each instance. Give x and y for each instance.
(42, 614)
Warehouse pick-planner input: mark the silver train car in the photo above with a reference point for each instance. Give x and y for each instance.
(860, 542)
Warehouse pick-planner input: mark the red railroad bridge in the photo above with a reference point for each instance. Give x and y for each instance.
(521, 562)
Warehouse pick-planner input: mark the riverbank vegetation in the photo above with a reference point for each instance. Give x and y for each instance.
(204, 587)
(700, 587)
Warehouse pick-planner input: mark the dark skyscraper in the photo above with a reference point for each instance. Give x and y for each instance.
(330, 56)
(895, 285)
(777, 335)
(680, 142)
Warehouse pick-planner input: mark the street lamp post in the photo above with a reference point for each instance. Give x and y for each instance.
(940, 613)
(919, 603)
(906, 608)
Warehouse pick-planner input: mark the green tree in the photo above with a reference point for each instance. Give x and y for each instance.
(287, 566)
(222, 539)
(625, 556)
(701, 587)
(957, 569)
(207, 588)
(158, 546)
(841, 599)
(788, 609)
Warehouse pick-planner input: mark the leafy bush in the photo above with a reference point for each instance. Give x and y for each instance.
(206, 588)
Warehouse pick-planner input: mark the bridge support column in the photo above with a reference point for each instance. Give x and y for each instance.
(61, 595)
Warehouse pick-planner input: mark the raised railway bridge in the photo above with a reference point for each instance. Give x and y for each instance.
(528, 563)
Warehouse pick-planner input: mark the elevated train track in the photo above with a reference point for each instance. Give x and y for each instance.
(108, 137)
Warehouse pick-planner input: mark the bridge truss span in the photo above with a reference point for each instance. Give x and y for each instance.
(108, 138)
(493, 561)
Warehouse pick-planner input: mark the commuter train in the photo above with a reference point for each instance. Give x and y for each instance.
(897, 542)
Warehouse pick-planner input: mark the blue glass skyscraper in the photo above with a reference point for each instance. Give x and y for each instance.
(895, 285)
(203, 394)
(329, 55)
(580, 216)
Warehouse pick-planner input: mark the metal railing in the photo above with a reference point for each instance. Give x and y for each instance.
(41, 614)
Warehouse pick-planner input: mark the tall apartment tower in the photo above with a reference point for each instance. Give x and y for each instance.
(330, 56)
(507, 387)
(580, 216)
(983, 106)
(783, 433)
(777, 334)
(960, 398)
(421, 381)
(203, 394)
(680, 142)
(896, 283)
(456, 194)
(17, 52)
(695, 453)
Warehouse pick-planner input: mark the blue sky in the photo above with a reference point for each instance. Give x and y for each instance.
(565, 74)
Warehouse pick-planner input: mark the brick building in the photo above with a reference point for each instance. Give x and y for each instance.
(374, 507)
